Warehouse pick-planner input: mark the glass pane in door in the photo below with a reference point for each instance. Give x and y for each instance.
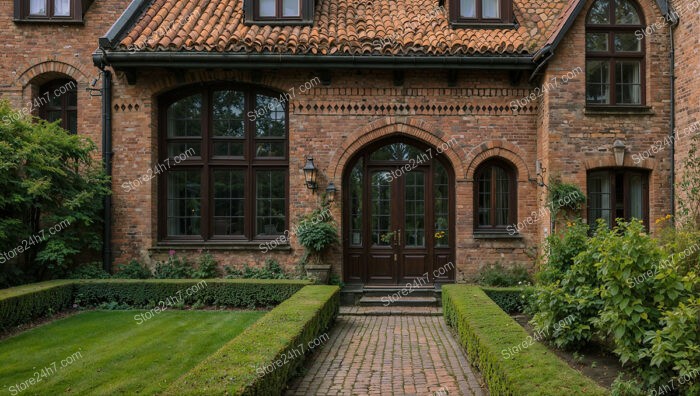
(441, 198)
(414, 217)
(381, 208)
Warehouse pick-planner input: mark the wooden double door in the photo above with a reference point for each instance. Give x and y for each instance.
(399, 221)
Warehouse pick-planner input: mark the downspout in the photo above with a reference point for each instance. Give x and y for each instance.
(107, 162)
(672, 134)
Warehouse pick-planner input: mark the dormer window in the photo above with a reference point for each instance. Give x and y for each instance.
(63, 11)
(279, 12)
(477, 12)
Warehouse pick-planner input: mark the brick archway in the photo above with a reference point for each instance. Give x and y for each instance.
(497, 148)
(34, 73)
(386, 127)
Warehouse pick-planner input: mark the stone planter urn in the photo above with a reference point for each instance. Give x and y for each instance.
(320, 273)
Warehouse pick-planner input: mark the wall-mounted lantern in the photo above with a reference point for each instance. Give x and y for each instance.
(330, 192)
(310, 173)
(619, 151)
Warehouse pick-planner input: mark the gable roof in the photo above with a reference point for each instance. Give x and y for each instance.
(341, 27)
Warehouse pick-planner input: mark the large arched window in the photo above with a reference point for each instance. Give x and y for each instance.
(495, 196)
(58, 100)
(614, 54)
(224, 158)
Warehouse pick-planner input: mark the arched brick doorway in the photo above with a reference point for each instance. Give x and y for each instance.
(398, 214)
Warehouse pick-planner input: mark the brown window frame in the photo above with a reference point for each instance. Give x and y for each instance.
(207, 162)
(612, 57)
(506, 17)
(626, 173)
(77, 11)
(48, 91)
(510, 169)
(252, 15)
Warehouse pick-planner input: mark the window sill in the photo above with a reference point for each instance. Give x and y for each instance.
(225, 246)
(278, 22)
(49, 21)
(497, 235)
(618, 110)
(482, 25)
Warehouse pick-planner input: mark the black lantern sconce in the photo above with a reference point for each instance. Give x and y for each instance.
(310, 173)
(330, 192)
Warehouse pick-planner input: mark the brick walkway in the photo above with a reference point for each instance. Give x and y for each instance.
(389, 355)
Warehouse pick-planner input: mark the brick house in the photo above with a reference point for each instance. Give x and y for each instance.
(435, 126)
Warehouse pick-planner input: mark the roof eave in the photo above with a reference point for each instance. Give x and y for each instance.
(127, 20)
(195, 60)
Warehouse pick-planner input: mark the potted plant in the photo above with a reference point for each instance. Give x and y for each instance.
(317, 232)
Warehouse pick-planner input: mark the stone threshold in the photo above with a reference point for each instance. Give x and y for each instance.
(390, 311)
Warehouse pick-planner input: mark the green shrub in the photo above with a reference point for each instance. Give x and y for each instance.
(207, 267)
(622, 387)
(214, 292)
(174, 267)
(89, 271)
(133, 270)
(52, 195)
(23, 304)
(562, 248)
(271, 270)
(490, 337)
(239, 367)
(497, 275)
(510, 299)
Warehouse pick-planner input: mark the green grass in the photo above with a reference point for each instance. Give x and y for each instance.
(119, 356)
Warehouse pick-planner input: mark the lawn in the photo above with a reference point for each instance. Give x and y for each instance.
(108, 352)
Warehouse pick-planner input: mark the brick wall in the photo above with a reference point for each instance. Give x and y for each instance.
(687, 38)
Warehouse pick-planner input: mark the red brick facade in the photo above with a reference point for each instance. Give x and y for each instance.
(336, 121)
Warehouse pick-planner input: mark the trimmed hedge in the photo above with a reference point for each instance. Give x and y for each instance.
(248, 293)
(273, 341)
(508, 298)
(487, 332)
(23, 304)
(19, 305)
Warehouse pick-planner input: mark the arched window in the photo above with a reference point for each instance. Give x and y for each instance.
(614, 54)
(495, 195)
(224, 159)
(58, 100)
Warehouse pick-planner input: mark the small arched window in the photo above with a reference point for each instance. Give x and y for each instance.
(58, 100)
(495, 195)
(614, 54)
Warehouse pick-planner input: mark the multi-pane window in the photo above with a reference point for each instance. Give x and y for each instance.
(481, 11)
(278, 9)
(618, 194)
(495, 196)
(48, 10)
(58, 100)
(225, 162)
(614, 54)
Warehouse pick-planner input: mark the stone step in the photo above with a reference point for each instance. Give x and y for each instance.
(401, 301)
(390, 311)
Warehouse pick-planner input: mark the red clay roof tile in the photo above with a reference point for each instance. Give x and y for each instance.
(342, 27)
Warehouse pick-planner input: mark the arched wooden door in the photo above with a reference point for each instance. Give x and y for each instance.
(398, 220)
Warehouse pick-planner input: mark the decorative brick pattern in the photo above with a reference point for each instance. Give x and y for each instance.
(389, 355)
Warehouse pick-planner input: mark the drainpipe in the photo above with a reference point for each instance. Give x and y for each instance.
(674, 24)
(107, 162)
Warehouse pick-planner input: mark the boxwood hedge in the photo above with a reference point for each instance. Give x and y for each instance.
(527, 367)
(262, 359)
(510, 299)
(22, 304)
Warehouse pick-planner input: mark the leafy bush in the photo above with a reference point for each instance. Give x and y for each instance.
(622, 387)
(51, 201)
(133, 270)
(317, 232)
(495, 343)
(207, 267)
(499, 276)
(174, 268)
(565, 195)
(89, 271)
(239, 367)
(561, 251)
(510, 299)
(271, 270)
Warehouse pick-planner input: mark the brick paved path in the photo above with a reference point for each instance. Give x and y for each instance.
(389, 355)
